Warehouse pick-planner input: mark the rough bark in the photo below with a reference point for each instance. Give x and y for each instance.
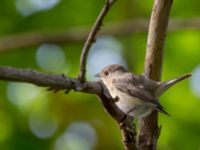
(149, 130)
(61, 82)
(56, 83)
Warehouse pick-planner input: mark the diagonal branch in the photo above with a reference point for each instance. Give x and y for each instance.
(91, 38)
(61, 82)
(149, 130)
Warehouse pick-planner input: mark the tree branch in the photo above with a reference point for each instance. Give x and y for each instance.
(78, 34)
(54, 82)
(91, 38)
(149, 130)
(61, 82)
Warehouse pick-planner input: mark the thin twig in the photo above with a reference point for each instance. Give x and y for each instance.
(149, 130)
(91, 38)
(78, 34)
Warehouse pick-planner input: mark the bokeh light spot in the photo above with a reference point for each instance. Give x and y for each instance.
(79, 135)
(195, 81)
(50, 57)
(42, 125)
(22, 94)
(105, 51)
(28, 7)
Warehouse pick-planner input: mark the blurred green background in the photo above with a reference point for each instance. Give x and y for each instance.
(32, 118)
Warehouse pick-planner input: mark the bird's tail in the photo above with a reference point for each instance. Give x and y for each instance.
(161, 109)
(164, 86)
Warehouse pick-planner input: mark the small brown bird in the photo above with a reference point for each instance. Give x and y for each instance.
(135, 95)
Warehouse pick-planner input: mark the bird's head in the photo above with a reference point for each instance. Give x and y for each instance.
(111, 71)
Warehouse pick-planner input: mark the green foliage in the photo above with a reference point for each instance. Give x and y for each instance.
(181, 55)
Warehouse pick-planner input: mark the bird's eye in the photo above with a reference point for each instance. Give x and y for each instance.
(106, 73)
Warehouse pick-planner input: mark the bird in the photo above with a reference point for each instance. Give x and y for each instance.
(136, 95)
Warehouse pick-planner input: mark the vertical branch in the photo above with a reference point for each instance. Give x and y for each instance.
(91, 38)
(149, 130)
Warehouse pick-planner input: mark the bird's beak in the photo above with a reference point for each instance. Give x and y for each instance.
(97, 75)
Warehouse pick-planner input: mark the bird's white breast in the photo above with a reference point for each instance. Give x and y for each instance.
(129, 104)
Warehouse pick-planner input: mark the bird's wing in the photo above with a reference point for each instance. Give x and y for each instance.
(134, 85)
